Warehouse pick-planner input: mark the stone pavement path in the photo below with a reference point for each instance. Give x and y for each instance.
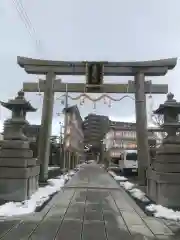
(91, 206)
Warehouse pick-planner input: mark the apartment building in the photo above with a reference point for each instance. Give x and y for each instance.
(95, 127)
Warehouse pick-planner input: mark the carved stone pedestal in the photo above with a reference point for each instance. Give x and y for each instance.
(18, 169)
(163, 176)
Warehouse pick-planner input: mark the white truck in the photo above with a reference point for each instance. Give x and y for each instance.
(128, 162)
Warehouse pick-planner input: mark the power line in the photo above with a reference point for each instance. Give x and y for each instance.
(27, 23)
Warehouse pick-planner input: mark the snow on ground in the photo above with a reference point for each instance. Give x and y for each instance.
(116, 177)
(91, 161)
(138, 194)
(37, 199)
(127, 185)
(53, 168)
(157, 210)
(120, 178)
(163, 212)
(112, 174)
(80, 165)
(71, 173)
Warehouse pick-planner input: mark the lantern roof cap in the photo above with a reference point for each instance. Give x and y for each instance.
(19, 102)
(170, 103)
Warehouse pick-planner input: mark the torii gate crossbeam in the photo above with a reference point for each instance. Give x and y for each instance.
(59, 86)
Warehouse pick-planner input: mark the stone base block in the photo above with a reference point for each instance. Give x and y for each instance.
(20, 173)
(17, 162)
(17, 189)
(172, 167)
(169, 148)
(16, 153)
(166, 192)
(164, 177)
(169, 157)
(15, 144)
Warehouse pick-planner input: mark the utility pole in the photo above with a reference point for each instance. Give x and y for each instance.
(65, 127)
(61, 153)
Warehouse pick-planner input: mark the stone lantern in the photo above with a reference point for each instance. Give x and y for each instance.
(164, 174)
(18, 170)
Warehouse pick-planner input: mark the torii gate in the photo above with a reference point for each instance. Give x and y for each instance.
(94, 72)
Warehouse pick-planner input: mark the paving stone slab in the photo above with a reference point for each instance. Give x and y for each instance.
(93, 206)
(120, 201)
(113, 218)
(139, 236)
(79, 196)
(22, 231)
(173, 225)
(93, 215)
(6, 226)
(94, 230)
(125, 202)
(73, 214)
(78, 207)
(131, 218)
(46, 230)
(56, 212)
(157, 226)
(70, 230)
(114, 233)
(165, 237)
(140, 229)
(111, 203)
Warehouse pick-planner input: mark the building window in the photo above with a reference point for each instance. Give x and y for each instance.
(67, 143)
(68, 130)
(68, 117)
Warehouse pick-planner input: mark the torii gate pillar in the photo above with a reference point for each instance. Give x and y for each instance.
(141, 127)
(46, 126)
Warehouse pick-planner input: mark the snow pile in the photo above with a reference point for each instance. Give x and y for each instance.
(37, 199)
(71, 173)
(78, 166)
(127, 185)
(113, 167)
(135, 192)
(91, 161)
(53, 168)
(138, 194)
(163, 212)
(116, 177)
(120, 178)
(112, 174)
(157, 210)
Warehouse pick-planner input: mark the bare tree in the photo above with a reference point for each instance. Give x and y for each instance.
(158, 120)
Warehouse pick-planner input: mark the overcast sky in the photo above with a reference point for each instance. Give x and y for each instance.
(117, 30)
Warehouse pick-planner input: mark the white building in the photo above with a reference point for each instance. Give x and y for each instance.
(120, 136)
